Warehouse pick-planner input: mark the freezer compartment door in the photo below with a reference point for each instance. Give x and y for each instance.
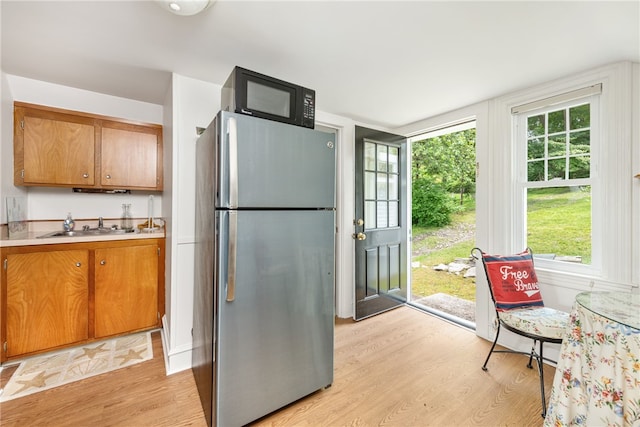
(275, 334)
(266, 164)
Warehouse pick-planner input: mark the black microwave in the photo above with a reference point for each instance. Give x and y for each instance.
(255, 94)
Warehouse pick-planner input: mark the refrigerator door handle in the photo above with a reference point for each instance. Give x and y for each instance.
(233, 162)
(231, 257)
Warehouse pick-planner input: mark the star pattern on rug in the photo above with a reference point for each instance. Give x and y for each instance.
(92, 352)
(38, 381)
(75, 363)
(131, 355)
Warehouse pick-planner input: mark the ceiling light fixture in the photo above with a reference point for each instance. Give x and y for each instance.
(185, 7)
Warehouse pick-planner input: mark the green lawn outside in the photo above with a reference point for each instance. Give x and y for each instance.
(425, 280)
(558, 220)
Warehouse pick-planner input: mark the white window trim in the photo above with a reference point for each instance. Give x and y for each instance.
(521, 184)
(619, 253)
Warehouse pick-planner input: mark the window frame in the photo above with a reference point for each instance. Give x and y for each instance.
(521, 184)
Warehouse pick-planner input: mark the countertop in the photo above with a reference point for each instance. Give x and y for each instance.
(38, 228)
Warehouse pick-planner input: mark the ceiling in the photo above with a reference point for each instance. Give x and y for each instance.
(385, 63)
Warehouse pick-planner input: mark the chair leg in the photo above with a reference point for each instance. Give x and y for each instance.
(540, 368)
(533, 351)
(484, 367)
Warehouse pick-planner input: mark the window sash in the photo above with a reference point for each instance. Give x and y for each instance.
(522, 184)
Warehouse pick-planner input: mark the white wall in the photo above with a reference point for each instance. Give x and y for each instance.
(193, 103)
(6, 148)
(54, 203)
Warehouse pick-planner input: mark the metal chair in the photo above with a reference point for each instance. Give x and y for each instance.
(519, 307)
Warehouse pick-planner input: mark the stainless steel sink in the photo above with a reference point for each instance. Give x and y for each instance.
(89, 232)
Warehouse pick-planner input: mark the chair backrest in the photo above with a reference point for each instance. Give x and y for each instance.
(512, 279)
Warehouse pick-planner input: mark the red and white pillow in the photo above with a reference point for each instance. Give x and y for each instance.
(513, 280)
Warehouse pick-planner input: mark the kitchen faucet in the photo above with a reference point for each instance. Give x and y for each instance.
(100, 222)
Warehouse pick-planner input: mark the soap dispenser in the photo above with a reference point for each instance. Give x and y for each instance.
(68, 223)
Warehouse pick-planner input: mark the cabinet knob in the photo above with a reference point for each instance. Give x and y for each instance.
(103, 262)
(78, 264)
(85, 175)
(108, 176)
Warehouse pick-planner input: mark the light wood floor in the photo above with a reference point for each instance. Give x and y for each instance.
(401, 368)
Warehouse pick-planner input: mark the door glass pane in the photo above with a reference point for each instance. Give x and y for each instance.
(393, 159)
(369, 156)
(382, 186)
(393, 187)
(393, 214)
(369, 185)
(382, 158)
(382, 215)
(369, 215)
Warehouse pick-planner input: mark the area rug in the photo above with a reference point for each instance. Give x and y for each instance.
(77, 363)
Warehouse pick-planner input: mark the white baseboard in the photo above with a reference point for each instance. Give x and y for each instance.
(176, 359)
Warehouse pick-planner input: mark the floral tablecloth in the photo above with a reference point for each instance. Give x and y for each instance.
(597, 380)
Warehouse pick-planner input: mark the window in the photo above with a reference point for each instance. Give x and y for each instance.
(381, 185)
(556, 145)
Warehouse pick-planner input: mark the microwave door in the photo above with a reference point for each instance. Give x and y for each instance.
(269, 100)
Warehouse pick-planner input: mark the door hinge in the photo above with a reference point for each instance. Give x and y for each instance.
(4, 346)
(5, 263)
(22, 173)
(22, 124)
(158, 251)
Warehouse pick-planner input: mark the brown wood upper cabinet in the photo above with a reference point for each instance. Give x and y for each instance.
(62, 148)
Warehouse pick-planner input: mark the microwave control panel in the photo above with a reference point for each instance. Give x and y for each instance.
(308, 108)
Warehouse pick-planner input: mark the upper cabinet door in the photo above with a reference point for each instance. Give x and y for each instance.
(56, 149)
(61, 148)
(130, 157)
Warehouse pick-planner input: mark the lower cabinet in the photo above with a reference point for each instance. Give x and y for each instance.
(59, 295)
(47, 300)
(126, 283)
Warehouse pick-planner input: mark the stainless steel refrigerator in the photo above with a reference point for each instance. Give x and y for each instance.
(264, 266)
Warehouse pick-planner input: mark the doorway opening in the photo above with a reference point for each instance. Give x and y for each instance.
(443, 215)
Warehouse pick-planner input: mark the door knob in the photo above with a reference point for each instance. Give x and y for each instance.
(359, 222)
(359, 236)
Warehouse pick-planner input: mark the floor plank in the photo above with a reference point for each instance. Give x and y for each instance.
(400, 368)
